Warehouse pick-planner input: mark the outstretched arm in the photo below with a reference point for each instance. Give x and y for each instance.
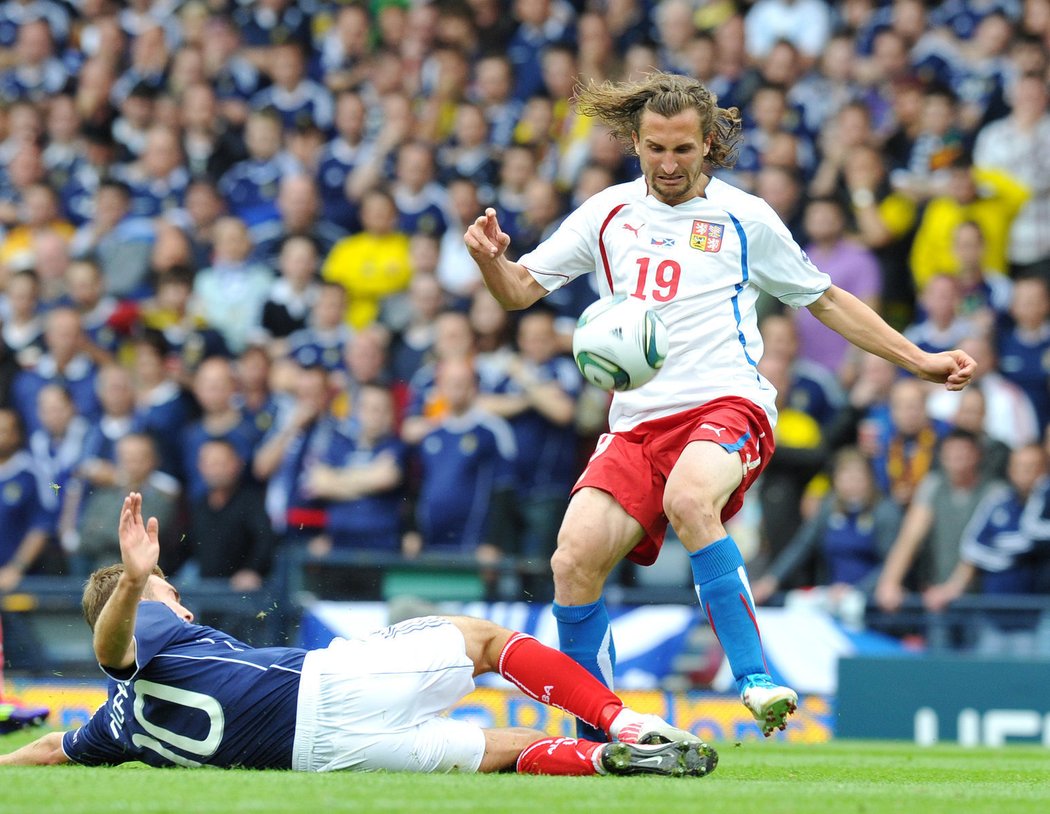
(848, 316)
(510, 283)
(45, 751)
(139, 550)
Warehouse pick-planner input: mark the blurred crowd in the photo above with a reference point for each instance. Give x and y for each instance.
(232, 277)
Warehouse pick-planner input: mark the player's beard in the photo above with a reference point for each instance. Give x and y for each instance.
(684, 187)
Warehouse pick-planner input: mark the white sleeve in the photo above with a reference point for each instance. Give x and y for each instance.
(568, 253)
(778, 265)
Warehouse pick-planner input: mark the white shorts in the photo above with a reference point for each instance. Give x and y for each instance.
(373, 703)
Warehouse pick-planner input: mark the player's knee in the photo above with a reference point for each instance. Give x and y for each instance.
(485, 641)
(687, 509)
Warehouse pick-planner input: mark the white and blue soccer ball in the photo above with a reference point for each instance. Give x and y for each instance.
(619, 343)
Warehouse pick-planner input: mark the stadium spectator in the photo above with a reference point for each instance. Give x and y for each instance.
(296, 98)
(1009, 415)
(903, 451)
(372, 264)
(209, 146)
(985, 294)
(361, 478)
(101, 317)
(299, 210)
(63, 362)
(26, 522)
(117, 239)
(943, 327)
(57, 445)
(811, 387)
(230, 294)
(844, 544)
(996, 554)
(172, 312)
(134, 468)
(40, 214)
(38, 73)
(926, 550)
(342, 155)
(457, 648)
(989, 197)
(453, 339)
(884, 220)
(323, 340)
(23, 323)
(293, 294)
(116, 396)
(215, 390)
(158, 178)
(803, 451)
(229, 535)
(250, 186)
(537, 394)
(466, 471)
(162, 408)
(852, 266)
(412, 340)
(1024, 349)
(1010, 144)
(806, 24)
(301, 433)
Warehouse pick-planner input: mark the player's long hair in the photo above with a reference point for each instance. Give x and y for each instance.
(620, 105)
(99, 587)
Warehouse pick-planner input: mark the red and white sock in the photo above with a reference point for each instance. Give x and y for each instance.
(553, 678)
(564, 756)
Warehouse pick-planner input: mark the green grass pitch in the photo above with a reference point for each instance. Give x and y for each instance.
(761, 777)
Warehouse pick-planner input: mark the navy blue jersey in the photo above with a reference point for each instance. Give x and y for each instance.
(1024, 358)
(465, 461)
(311, 346)
(546, 463)
(994, 542)
(195, 697)
(337, 161)
(21, 507)
(374, 520)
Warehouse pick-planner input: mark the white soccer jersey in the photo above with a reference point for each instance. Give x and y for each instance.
(698, 265)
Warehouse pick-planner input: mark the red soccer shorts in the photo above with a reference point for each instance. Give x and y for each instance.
(633, 466)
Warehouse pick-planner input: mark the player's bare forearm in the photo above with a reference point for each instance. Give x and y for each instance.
(851, 318)
(510, 283)
(847, 315)
(45, 751)
(113, 640)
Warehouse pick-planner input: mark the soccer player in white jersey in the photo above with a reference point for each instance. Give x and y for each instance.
(182, 694)
(686, 446)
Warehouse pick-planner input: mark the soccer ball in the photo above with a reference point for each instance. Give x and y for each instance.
(619, 343)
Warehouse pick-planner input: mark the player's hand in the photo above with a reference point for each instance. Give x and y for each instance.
(954, 369)
(484, 238)
(139, 542)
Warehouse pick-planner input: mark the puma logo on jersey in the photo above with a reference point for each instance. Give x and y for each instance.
(630, 228)
(716, 430)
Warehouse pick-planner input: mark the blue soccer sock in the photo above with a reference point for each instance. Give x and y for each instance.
(725, 596)
(585, 634)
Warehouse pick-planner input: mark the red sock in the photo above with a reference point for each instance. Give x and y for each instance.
(555, 679)
(566, 756)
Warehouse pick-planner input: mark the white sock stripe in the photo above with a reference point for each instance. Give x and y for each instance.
(604, 657)
(742, 573)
